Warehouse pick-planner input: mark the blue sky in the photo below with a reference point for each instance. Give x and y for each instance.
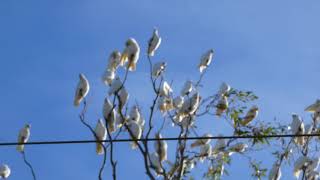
(269, 47)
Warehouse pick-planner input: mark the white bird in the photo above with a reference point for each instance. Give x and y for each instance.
(161, 147)
(136, 131)
(101, 135)
(158, 68)
(155, 163)
(224, 89)
(178, 102)
(124, 96)
(154, 42)
(314, 175)
(165, 89)
(108, 77)
(313, 107)
(205, 151)
(187, 88)
(205, 60)
(297, 127)
(23, 137)
(130, 54)
(82, 90)
(115, 86)
(114, 61)
(313, 166)
(134, 114)
(238, 147)
(112, 120)
(251, 115)
(165, 104)
(4, 171)
(201, 142)
(275, 172)
(220, 145)
(187, 121)
(191, 105)
(300, 163)
(107, 108)
(222, 105)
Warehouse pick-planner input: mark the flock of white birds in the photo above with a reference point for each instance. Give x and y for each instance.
(184, 105)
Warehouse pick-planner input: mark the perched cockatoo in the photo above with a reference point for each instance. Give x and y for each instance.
(300, 163)
(224, 89)
(161, 147)
(114, 61)
(239, 148)
(165, 89)
(136, 131)
(4, 171)
(205, 151)
(158, 68)
(187, 121)
(191, 105)
(155, 163)
(107, 108)
(222, 105)
(124, 96)
(108, 77)
(313, 166)
(297, 127)
(187, 88)
(178, 102)
(313, 107)
(82, 90)
(251, 115)
(101, 135)
(220, 145)
(134, 114)
(313, 175)
(201, 142)
(130, 54)
(115, 86)
(154, 42)
(275, 172)
(165, 104)
(205, 60)
(23, 137)
(112, 120)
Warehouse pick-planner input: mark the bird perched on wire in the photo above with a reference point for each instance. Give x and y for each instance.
(154, 42)
(297, 127)
(82, 89)
(136, 132)
(161, 147)
(23, 137)
(205, 60)
(4, 171)
(101, 135)
(130, 54)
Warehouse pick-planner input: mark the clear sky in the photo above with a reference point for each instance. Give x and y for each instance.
(270, 47)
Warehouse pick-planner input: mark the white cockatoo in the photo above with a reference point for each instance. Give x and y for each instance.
(136, 131)
(161, 147)
(222, 105)
(155, 163)
(107, 108)
(178, 102)
(275, 172)
(82, 90)
(251, 115)
(165, 89)
(224, 89)
(205, 60)
(300, 163)
(187, 88)
(23, 137)
(191, 104)
(4, 171)
(124, 96)
(187, 121)
(112, 121)
(158, 68)
(115, 86)
(205, 151)
(201, 142)
(313, 175)
(134, 114)
(313, 107)
(313, 166)
(101, 135)
(130, 54)
(238, 147)
(297, 127)
(165, 104)
(220, 145)
(154, 42)
(114, 61)
(108, 76)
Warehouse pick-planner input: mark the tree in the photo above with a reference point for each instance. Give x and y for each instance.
(181, 111)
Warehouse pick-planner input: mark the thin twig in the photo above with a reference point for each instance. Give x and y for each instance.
(29, 165)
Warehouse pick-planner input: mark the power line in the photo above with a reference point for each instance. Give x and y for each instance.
(156, 139)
